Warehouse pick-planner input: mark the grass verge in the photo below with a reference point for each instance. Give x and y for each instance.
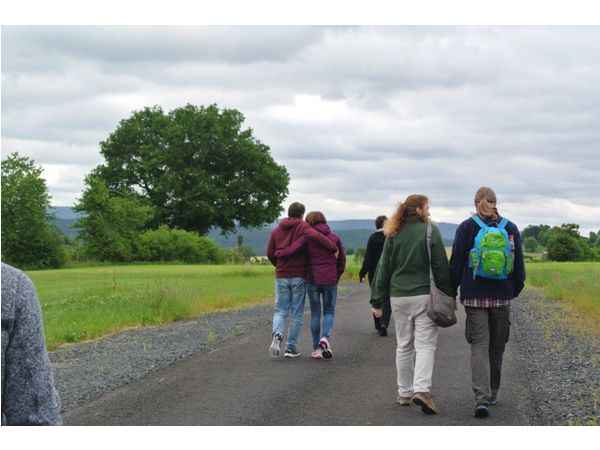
(86, 303)
(576, 285)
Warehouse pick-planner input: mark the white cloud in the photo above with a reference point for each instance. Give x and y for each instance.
(309, 109)
(360, 116)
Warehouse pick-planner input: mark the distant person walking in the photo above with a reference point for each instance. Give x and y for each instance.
(289, 273)
(28, 393)
(403, 275)
(487, 264)
(372, 255)
(323, 272)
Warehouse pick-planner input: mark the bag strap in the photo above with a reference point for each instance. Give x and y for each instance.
(429, 231)
(502, 223)
(478, 221)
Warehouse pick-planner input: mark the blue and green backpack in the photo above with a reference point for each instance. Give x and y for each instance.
(491, 256)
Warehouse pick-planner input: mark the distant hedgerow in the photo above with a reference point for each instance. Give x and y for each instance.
(173, 244)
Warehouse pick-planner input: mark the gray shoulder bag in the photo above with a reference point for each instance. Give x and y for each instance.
(440, 307)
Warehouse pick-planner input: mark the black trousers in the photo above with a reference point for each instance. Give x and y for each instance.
(386, 310)
(384, 320)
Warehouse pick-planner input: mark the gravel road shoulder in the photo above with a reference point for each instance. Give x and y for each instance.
(85, 371)
(562, 363)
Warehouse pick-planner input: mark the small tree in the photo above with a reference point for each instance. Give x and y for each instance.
(539, 232)
(28, 238)
(572, 229)
(111, 223)
(563, 247)
(359, 254)
(530, 244)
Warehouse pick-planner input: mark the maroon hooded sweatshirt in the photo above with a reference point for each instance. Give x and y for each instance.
(287, 232)
(322, 268)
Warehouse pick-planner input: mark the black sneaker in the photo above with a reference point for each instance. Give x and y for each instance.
(289, 353)
(481, 410)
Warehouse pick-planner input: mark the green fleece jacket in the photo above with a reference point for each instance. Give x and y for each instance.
(403, 269)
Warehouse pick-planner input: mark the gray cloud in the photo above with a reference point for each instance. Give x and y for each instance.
(360, 116)
(127, 44)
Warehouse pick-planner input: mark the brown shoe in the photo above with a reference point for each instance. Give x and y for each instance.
(424, 400)
(403, 401)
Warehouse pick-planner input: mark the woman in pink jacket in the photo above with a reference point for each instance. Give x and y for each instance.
(323, 272)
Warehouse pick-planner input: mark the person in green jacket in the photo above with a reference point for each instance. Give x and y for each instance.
(403, 275)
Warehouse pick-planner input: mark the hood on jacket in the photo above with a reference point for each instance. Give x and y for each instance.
(322, 228)
(289, 222)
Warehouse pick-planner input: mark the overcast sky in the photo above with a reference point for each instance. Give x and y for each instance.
(360, 116)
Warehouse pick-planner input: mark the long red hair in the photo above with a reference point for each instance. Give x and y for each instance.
(404, 211)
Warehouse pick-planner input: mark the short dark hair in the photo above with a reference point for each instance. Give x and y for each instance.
(296, 209)
(379, 222)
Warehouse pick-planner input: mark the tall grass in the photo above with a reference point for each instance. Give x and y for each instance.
(352, 269)
(85, 303)
(574, 283)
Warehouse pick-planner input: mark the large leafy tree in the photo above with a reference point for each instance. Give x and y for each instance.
(29, 240)
(196, 166)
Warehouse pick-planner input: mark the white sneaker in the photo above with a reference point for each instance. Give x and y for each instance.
(274, 349)
(317, 353)
(324, 343)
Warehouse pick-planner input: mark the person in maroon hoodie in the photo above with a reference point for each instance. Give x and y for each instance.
(289, 273)
(323, 272)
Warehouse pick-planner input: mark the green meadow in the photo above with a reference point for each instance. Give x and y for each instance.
(84, 303)
(88, 302)
(575, 284)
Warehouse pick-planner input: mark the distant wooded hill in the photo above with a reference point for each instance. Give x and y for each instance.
(354, 233)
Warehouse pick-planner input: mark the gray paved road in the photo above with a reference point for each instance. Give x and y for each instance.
(238, 384)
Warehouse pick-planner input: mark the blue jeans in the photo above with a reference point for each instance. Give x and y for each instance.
(329, 294)
(289, 298)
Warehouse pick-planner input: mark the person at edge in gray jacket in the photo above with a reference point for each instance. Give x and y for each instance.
(28, 393)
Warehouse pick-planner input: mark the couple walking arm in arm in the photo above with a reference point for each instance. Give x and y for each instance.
(309, 259)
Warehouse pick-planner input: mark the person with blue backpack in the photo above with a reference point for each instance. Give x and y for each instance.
(487, 264)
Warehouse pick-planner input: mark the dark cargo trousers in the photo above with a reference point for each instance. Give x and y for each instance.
(384, 321)
(487, 330)
(386, 309)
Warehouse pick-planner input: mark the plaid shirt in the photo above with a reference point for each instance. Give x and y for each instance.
(485, 302)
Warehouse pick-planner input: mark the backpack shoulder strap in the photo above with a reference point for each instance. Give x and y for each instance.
(478, 221)
(503, 223)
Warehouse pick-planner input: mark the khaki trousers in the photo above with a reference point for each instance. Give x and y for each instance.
(416, 336)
